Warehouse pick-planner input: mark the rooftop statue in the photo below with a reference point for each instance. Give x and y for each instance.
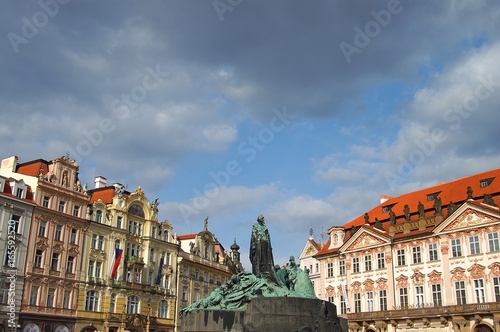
(264, 281)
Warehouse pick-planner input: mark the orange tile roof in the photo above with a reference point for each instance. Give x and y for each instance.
(32, 168)
(7, 191)
(186, 237)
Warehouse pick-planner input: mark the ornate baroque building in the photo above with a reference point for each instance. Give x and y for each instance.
(309, 263)
(427, 260)
(54, 244)
(16, 210)
(141, 296)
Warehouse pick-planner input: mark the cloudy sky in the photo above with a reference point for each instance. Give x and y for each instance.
(304, 111)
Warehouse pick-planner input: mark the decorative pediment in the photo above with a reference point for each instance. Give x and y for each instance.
(470, 218)
(97, 254)
(418, 278)
(476, 271)
(58, 248)
(330, 291)
(364, 240)
(402, 281)
(495, 269)
(458, 274)
(434, 277)
(369, 285)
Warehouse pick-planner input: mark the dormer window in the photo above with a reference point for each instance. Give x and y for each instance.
(387, 208)
(431, 197)
(98, 216)
(19, 188)
(486, 182)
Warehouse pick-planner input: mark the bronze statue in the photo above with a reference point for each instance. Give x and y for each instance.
(261, 254)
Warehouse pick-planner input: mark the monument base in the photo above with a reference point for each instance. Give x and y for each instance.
(268, 314)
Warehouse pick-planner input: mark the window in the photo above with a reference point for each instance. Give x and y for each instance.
(493, 241)
(72, 239)
(55, 261)
(132, 305)
(380, 260)
(357, 302)
(460, 292)
(479, 290)
(41, 228)
(98, 266)
(61, 206)
(16, 220)
(91, 269)
(368, 263)
(341, 268)
(474, 245)
(93, 241)
(128, 277)
(401, 257)
(496, 289)
(197, 274)
(117, 244)
(343, 307)
(486, 182)
(330, 270)
(403, 297)
(38, 258)
(19, 192)
(162, 309)
(150, 278)
(112, 303)
(317, 267)
(417, 257)
(34, 295)
(456, 249)
(369, 301)
(66, 299)
(419, 296)
(152, 255)
(330, 299)
(138, 274)
(433, 252)
(92, 301)
(119, 222)
(355, 265)
(383, 300)
(46, 201)
(69, 266)
(165, 235)
(76, 210)
(436, 295)
(130, 226)
(57, 235)
(98, 216)
(153, 232)
(184, 294)
(50, 297)
(100, 243)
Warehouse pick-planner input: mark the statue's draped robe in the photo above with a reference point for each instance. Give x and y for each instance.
(261, 254)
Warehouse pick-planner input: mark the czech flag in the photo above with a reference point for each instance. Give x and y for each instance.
(118, 257)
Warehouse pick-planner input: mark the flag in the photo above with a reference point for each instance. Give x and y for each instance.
(344, 294)
(158, 277)
(116, 262)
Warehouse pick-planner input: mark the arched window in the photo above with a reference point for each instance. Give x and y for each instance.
(132, 305)
(112, 303)
(162, 309)
(98, 216)
(92, 301)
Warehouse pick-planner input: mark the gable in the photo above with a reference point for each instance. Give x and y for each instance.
(309, 250)
(470, 218)
(364, 239)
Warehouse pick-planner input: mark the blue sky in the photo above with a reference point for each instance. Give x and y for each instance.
(304, 111)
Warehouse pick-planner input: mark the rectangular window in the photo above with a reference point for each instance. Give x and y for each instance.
(130, 226)
(330, 270)
(19, 193)
(403, 297)
(383, 300)
(41, 228)
(343, 306)
(496, 289)
(100, 243)
(66, 299)
(50, 297)
(474, 245)
(93, 241)
(436, 295)
(479, 290)
(138, 274)
(317, 268)
(72, 239)
(433, 252)
(331, 299)
(61, 206)
(381, 260)
(34, 295)
(38, 258)
(456, 248)
(91, 269)
(153, 232)
(493, 242)
(119, 222)
(55, 261)
(69, 266)
(401, 257)
(460, 292)
(417, 257)
(419, 296)
(98, 266)
(369, 301)
(355, 265)
(45, 202)
(128, 277)
(341, 268)
(58, 232)
(368, 263)
(16, 220)
(76, 210)
(357, 302)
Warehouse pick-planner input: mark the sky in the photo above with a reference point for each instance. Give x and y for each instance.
(303, 111)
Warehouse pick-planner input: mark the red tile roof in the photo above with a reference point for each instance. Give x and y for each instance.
(104, 193)
(186, 237)
(7, 191)
(32, 168)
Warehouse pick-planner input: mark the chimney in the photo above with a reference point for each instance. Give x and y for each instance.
(10, 163)
(100, 182)
(384, 198)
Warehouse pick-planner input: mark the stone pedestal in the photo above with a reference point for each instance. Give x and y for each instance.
(266, 314)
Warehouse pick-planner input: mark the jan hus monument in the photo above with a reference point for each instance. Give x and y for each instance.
(268, 299)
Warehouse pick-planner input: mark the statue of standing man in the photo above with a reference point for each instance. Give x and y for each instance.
(261, 252)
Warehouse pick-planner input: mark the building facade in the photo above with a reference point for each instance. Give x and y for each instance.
(136, 292)
(16, 211)
(417, 262)
(308, 262)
